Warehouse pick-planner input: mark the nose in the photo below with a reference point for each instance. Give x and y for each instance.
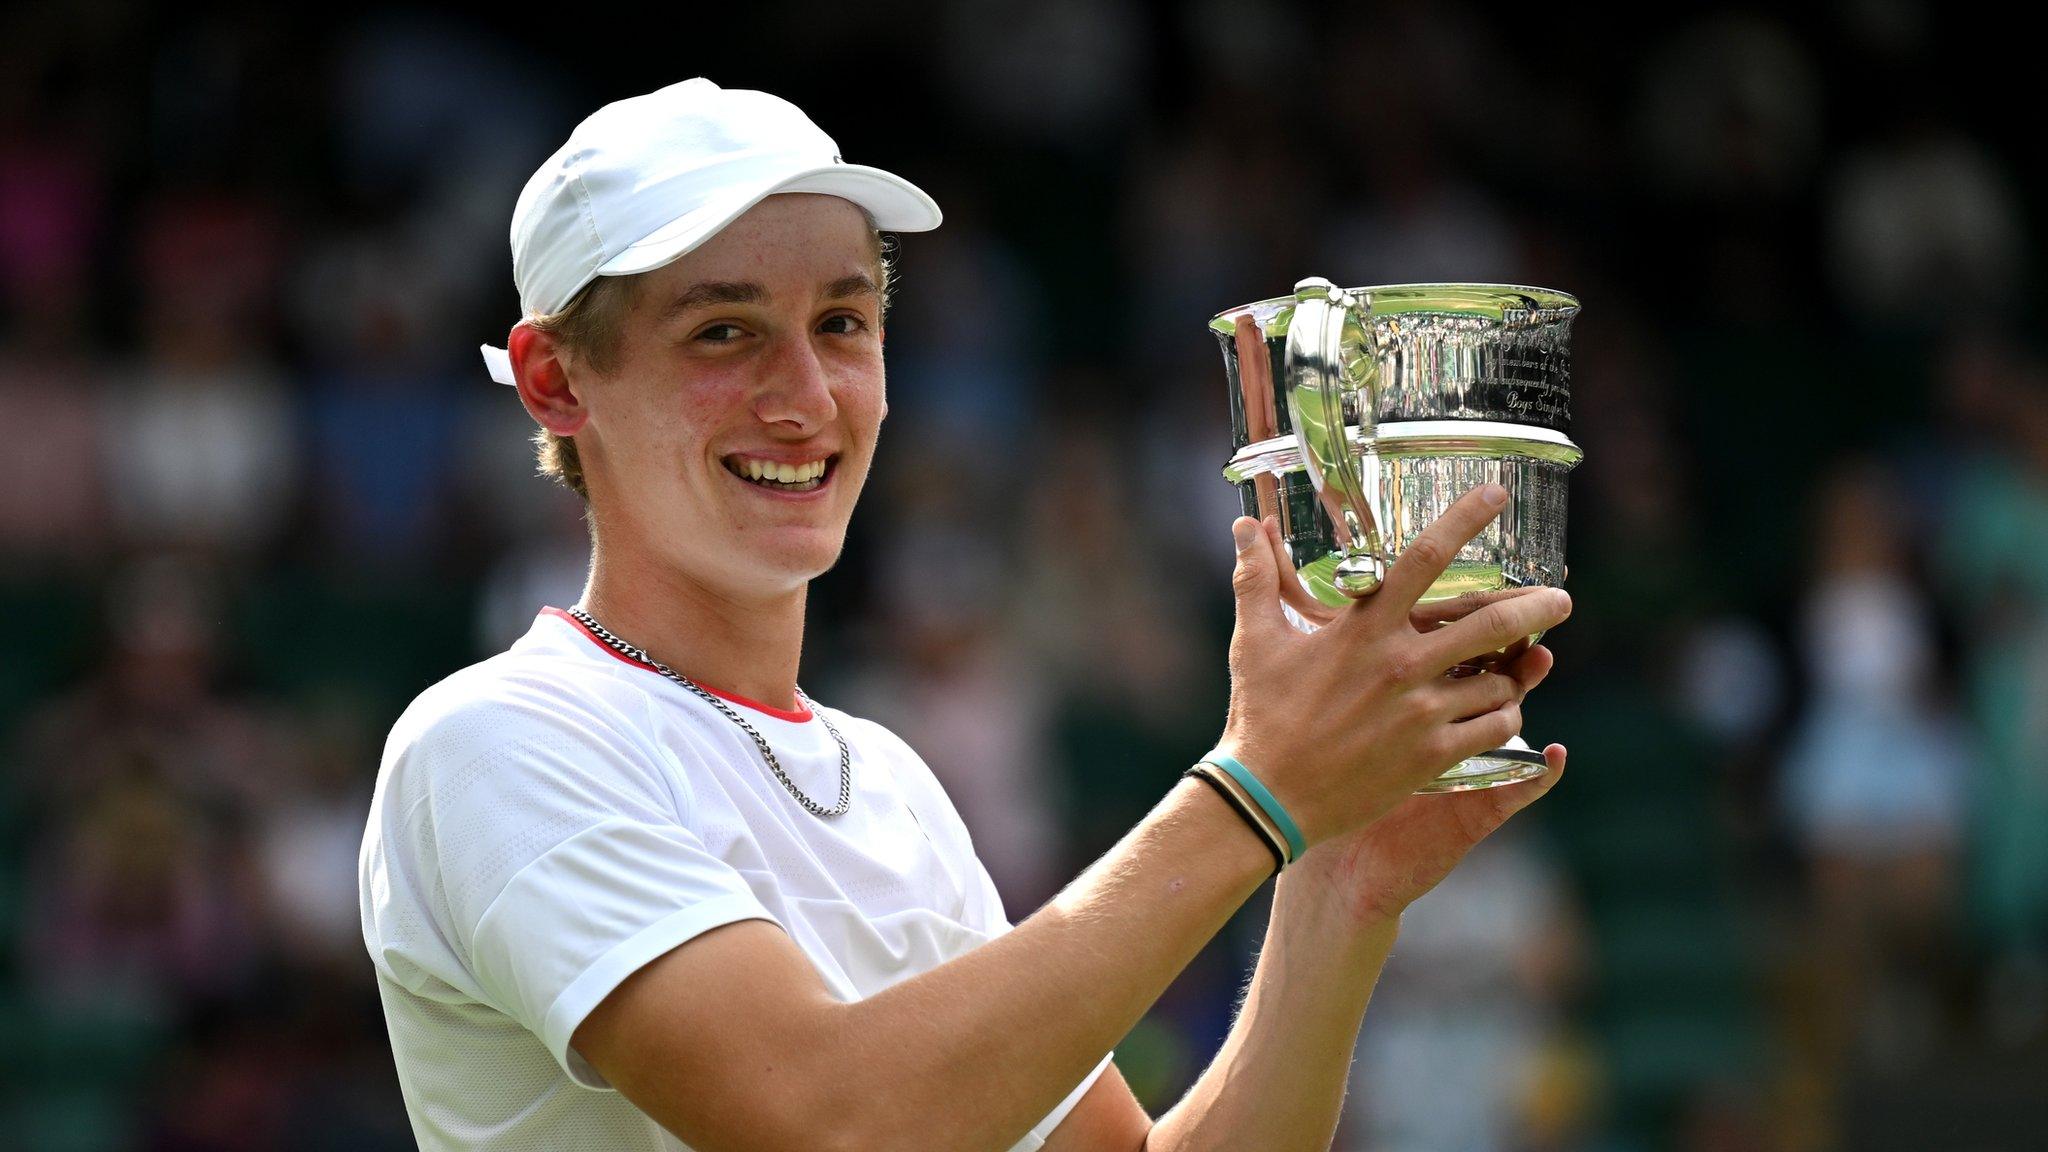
(797, 391)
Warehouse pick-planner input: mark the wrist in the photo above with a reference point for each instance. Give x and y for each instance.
(1230, 845)
(1273, 814)
(1324, 890)
(1246, 808)
(1309, 908)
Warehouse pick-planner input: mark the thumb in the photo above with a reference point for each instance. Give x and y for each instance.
(1255, 580)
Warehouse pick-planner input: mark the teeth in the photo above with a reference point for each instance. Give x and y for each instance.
(778, 473)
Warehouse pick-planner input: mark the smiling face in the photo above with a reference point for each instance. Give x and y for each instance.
(731, 439)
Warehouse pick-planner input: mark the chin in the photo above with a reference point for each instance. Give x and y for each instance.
(792, 562)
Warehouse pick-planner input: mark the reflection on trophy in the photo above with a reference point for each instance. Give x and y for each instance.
(1359, 415)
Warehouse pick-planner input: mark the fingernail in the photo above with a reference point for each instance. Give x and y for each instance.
(1494, 494)
(1245, 531)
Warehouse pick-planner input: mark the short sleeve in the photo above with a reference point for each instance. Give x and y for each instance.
(565, 859)
(1043, 1130)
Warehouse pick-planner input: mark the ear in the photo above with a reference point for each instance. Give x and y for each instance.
(543, 380)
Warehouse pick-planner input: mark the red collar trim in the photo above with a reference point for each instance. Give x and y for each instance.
(794, 716)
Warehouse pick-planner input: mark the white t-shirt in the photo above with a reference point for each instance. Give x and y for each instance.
(552, 818)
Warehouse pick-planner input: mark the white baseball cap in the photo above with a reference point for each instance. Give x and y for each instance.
(645, 180)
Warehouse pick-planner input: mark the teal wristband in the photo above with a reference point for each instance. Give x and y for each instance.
(1264, 799)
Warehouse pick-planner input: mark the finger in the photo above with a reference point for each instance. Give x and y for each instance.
(1508, 799)
(1291, 589)
(1255, 580)
(1470, 696)
(1493, 661)
(1484, 733)
(1553, 760)
(1527, 792)
(1531, 667)
(1430, 615)
(1495, 627)
(1432, 551)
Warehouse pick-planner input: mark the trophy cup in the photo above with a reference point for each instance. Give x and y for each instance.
(1359, 415)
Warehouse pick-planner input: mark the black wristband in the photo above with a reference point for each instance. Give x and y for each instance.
(1238, 805)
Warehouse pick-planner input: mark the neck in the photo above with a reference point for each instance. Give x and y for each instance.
(743, 647)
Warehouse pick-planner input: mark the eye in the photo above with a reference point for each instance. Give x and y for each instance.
(842, 324)
(720, 333)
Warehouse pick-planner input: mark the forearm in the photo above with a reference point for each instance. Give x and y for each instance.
(1278, 1082)
(970, 1054)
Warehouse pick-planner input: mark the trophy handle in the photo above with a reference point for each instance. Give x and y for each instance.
(1323, 405)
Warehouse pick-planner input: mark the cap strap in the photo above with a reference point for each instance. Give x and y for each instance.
(499, 362)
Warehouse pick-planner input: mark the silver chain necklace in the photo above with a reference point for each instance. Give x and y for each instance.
(767, 753)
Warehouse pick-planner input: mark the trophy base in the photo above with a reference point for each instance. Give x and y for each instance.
(1488, 770)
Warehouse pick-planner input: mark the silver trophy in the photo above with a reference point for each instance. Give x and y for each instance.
(1360, 414)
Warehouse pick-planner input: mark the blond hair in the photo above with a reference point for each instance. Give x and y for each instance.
(592, 328)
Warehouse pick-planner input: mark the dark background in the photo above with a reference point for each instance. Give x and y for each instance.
(257, 492)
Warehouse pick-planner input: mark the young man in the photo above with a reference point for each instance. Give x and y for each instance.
(626, 887)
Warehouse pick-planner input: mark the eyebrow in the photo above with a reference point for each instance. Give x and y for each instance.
(709, 292)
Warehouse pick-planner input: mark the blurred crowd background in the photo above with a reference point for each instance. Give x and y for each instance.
(260, 492)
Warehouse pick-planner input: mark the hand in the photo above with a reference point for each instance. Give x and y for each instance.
(1427, 616)
(1344, 723)
(1372, 874)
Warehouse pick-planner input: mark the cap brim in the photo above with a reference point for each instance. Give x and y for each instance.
(896, 204)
